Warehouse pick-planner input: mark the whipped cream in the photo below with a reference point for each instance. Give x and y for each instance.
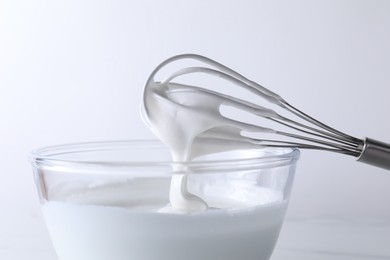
(190, 124)
(174, 128)
(90, 231)
(220, 215)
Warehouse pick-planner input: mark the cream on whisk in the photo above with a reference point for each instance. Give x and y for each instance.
(175, 126)
(188, 120)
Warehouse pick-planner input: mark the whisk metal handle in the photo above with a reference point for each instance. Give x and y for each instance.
(376, 153)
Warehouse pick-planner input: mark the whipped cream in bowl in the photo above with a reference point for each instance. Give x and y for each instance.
(202, 192)
(131, 200)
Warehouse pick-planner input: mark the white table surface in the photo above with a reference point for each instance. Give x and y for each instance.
(312, 239)
(334, 239)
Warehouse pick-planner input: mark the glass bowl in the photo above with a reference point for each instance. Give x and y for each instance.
(110, 200)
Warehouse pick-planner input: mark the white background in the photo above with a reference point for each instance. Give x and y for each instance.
(74, 71)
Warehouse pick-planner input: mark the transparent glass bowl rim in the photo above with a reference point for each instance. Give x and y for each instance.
(49, 155)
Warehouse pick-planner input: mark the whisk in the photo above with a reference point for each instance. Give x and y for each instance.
(307, 133)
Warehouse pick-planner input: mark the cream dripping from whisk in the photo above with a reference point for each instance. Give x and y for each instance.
(173, 127)
(189, 121)
(177, 127)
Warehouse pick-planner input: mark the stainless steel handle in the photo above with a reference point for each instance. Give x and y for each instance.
(376, 153)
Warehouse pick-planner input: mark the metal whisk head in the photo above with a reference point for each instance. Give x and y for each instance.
(303, 132)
